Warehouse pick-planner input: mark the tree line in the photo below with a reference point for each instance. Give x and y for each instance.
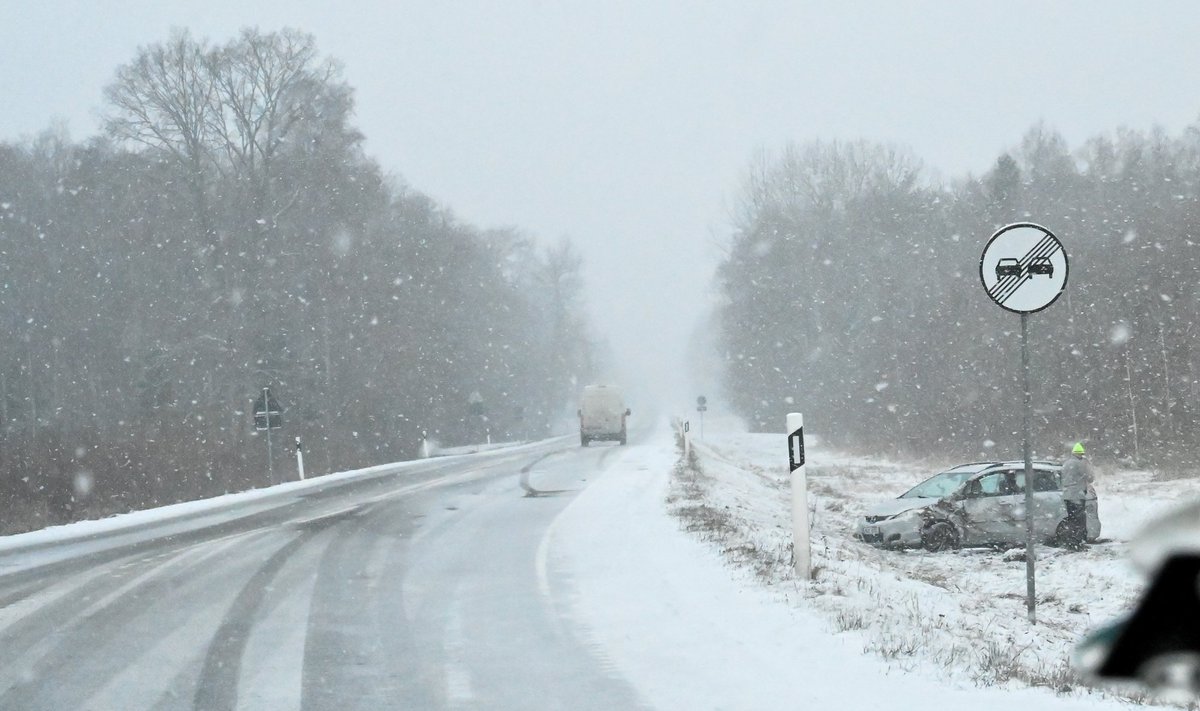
(851, 290)
(226, 233)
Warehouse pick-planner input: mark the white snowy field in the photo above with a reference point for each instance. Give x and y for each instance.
(684, 580)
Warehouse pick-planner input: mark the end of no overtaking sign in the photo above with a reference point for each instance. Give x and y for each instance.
(1024, 268)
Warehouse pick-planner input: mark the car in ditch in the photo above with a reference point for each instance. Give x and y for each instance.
(977, 504)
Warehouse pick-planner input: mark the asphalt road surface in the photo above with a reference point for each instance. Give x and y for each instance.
(429, 587)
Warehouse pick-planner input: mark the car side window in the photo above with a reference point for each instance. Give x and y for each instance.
(1042, 481)
(1046, 481)
(991, 484)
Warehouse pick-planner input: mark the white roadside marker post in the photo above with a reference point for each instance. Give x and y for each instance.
(801, 543)
(299, 458)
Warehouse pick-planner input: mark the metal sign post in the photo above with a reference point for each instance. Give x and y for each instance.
(270, 459)
(475, 406)
(801, 545)
(701, 407)
(268, 416)
(1024, 269)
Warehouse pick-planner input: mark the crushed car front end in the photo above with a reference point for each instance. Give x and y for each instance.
(899, 529)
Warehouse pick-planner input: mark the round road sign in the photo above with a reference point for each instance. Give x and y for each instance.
(1023, 268)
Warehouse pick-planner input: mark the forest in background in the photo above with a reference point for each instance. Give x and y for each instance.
(850, 291)
(227, 233)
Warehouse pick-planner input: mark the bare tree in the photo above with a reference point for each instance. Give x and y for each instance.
(166, 100)
(274, 93)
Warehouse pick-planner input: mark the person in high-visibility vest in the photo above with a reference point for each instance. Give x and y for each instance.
(1076, 477)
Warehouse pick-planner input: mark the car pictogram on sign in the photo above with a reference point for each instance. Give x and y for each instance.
(1008, 266)
(1042, 265)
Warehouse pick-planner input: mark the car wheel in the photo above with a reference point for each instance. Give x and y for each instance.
(1062, 534)
(940, 536)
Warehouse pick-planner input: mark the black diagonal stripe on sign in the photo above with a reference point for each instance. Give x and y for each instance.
(1004, 289)
(1009, 283)
(1012, 288)
(1039, 252)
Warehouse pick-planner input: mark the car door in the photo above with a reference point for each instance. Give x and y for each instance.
(989, 509)
(1048, 507)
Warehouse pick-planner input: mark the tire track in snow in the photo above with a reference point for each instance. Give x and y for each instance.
(217, 688)
(100, 629)
(357, 652)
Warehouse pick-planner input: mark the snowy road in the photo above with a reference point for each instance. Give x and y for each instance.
(430, 587)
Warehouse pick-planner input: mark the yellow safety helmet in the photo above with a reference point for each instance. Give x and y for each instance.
(1078, 449)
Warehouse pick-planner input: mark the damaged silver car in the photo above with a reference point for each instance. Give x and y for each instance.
(979, 504)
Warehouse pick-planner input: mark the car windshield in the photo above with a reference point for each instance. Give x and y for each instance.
(938, 485)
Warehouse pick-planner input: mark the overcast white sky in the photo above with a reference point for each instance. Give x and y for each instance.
(627, 125)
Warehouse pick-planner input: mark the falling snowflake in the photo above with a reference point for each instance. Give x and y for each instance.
(342, 243)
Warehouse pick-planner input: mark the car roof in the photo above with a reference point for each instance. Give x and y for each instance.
(972, 467)
(1038, 464)
(980, 467)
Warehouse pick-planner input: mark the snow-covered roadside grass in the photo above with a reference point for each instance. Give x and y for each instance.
(960, 615)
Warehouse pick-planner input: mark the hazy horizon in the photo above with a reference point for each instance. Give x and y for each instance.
(627, 127)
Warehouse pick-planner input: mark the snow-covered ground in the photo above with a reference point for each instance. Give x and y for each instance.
(684, 579)
(681, 577)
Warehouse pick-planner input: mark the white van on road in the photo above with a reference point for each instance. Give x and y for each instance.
(602, 414)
